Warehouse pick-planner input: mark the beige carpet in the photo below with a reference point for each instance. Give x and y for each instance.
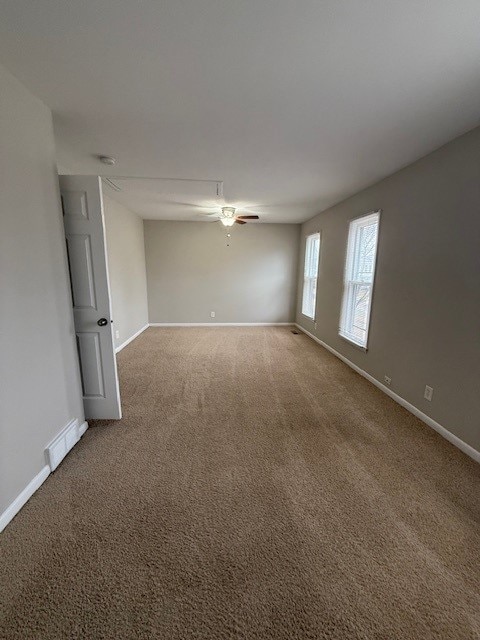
(257, 488)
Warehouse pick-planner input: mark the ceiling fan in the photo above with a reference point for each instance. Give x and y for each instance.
(228, 218)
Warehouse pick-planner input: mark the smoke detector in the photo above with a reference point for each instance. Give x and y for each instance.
(107, 160)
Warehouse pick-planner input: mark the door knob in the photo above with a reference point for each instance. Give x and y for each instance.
(102, 322)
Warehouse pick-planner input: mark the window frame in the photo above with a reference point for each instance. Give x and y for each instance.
(311, 235)
(353, 226)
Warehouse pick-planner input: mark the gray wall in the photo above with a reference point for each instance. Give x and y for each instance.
(191, 271)
(126, 267)
(40, 386)
(426, 306)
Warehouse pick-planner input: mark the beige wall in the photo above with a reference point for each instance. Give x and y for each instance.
(426, 306)
(39, 381)
(191, 271)
(126, 267)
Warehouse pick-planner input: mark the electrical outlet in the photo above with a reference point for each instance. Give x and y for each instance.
(315, 325)
(212, 314)
(388, 380)
(117, 334)
(428, 395)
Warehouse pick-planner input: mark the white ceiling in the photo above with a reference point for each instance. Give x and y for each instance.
(168, 199)
(294, 104)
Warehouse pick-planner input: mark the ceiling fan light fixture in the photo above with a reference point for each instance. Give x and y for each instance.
(227, 222)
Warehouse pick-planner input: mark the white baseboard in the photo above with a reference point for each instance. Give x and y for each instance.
(221, 324)
(82, 428)
(448, 435)
(135, 335)
(67, 437)
(12, 510)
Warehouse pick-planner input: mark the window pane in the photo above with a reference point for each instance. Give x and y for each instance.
(359, 275)
(361, 305)
(311, 255)
(310, 270)
(309, 297)
(367, 242)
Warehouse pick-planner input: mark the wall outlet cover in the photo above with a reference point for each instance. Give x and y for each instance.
(212, 314)
(428, 394)
(117, 334)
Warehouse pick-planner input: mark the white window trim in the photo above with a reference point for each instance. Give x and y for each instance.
(351, 340)
(309, 235)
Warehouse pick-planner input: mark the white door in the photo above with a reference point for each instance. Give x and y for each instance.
(85, 234)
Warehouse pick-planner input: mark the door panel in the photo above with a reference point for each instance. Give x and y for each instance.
(75, 204)
(83, 286)
(91, 365)
(85, 235)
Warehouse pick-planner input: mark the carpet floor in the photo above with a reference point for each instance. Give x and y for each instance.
(256, 488)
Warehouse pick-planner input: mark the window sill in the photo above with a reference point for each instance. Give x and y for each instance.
(353, 343)
(307, 317)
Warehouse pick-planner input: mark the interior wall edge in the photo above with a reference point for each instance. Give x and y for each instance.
(195, 273)
(14, 507)
(36, 482)
(125, 249)
(222, 324)
(131, 338)
(443, 431)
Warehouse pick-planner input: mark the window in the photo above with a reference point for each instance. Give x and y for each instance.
(310, 271)
(358, 278)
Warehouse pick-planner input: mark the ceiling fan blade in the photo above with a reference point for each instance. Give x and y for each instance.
(248, 218)
(189, 204)
(240, 221)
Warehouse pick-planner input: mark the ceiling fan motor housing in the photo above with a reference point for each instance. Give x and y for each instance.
(228, 217)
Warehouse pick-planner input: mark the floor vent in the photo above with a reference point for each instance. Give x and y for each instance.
(295, 333)
(61, 445)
